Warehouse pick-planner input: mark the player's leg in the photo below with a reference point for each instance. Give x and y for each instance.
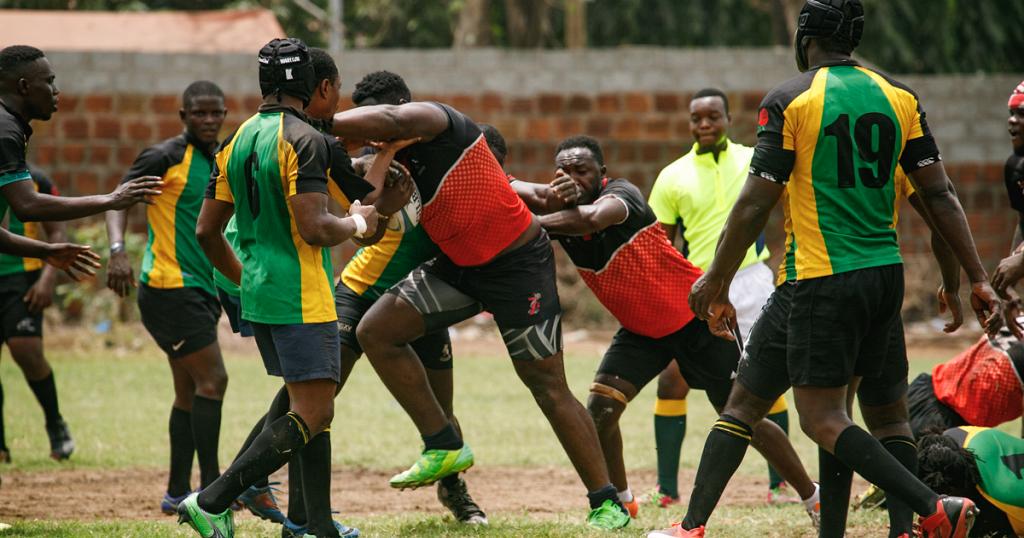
(27, 352)
(5, 453)
(182, 444)
(836, 480)
(669, 432)
(206, 368)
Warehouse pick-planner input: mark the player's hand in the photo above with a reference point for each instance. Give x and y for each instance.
(987, 306)
(722, 321)
(705, 292)
(1010, 270)
(120, 276)
(396, 172)
(394, 197)
(950, 301)
(565, 188)
(369, 213)
(136, 190)
(77, 261)
(394, 146)
(40, 295)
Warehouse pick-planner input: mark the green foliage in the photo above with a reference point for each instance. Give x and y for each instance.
(677, 23)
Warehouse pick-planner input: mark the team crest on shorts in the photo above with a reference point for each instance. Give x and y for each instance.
(26, 325)
(534, 304)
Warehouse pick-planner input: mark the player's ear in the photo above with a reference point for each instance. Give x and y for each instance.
(604, 170)
(182, 114)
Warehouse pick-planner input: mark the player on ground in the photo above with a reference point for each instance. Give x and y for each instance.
(26, 288)
(984, 465)
(831, 139)
(694, 195)
(612, 236)
(177, 297)
(273, 170)
(494, 256)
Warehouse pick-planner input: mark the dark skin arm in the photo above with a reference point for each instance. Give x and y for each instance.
(30, 205)
(949, 290)
(120, 275)
(709, 297)
(391, 122)
(320, 228)
(543, 199)
(67, 257)
(932, 185)
(586, 219)
(213, 217)
(40, 295)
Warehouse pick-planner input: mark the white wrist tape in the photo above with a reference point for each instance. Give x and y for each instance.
(360, 224)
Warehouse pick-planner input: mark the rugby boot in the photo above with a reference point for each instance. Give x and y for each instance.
(782, 494)
(291, 530)
(432, 466)
(633, 507)
(608, 516)
(660, 499)
(262, 503)
(457, 500)
(873, 497)
(169, 504)
(677, 531)
(208, 525)
(953, 518)
(61, 443)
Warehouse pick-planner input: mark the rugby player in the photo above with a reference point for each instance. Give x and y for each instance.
(494, 256)
(623, 255)
(1011, 268)
(830, 139)
(176, 294)
(273, 169)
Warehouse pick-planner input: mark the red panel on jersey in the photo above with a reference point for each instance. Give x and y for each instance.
(980, 385)
(646, 284)
(475, 214)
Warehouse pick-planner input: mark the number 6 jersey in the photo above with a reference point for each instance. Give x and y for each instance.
(834, 136)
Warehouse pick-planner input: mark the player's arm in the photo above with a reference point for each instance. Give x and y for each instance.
(542, 199)
(213, 218)
(949, 267)
(30, 205)
(120, 275)
(391, 122)
(40, 295)
(320, 228)
(586, 219)
(68, 257)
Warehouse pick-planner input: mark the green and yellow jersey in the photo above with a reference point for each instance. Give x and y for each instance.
(1000, 460)
(273, 156)
(219, 280)
(11, 265)
(173, 258)
(835, 136)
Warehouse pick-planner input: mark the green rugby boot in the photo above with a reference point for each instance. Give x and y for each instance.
(432, 466)
(609, 516)
(206, 524)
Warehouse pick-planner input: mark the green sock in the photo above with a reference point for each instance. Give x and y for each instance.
(782, 419)
(669, 431)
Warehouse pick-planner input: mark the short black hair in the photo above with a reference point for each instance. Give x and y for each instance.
(713, 92)
(324, 66)
(200, 88)
(945, 466)
(14, 57)
(495, 141)
(384, 86)
(582, 141)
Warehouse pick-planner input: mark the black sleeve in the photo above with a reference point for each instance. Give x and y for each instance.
(352, 185)
(43, 183)
(921, 151)
(771, 160)
(1013, 176)
(313, 159)
(628, 193)
(218, 158)
(153, 161)
(12, 152)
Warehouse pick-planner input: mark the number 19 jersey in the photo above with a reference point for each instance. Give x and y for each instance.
(835, 136)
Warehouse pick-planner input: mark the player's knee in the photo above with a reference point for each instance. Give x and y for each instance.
(214, 386)
(604, 411)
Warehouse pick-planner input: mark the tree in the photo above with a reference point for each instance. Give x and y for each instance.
(474, 28)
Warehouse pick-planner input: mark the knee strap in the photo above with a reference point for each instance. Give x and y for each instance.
(608, 392)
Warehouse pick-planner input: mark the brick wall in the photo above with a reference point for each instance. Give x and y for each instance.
(633, 99)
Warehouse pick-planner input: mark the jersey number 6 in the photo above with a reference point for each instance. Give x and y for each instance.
(878, 149)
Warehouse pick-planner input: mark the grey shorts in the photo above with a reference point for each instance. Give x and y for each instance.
(300, 352)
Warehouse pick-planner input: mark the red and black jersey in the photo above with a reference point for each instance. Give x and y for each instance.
(469, 209)
(633, 269)
(984, 383)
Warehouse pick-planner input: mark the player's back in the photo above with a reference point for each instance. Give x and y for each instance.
(844, 129)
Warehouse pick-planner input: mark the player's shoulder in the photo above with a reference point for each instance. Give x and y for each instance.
(892, 81)
(298, 133)
(172, 147)
(621, 188)
(11, 126)
(782, 95)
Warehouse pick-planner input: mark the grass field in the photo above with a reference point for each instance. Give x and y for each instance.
(116, 401)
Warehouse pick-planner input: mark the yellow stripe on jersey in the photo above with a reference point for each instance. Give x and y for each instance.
(368, 264)
(31, 231)
(317, 292)
(166, 273)
(334, 191)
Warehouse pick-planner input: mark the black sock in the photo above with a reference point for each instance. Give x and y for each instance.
(901, 516)
(296, 495)
(446, 439)
(316, 485)
(3, 434)
(450, 481)
(182, 448)
(865, 455)
(836, 479)
(256, 429)
(280, 406)
(723, 452)
(206, 432)
(269, 451)
(607, 493)
(46, 392)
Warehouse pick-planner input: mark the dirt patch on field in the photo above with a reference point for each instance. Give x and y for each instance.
(135, 493)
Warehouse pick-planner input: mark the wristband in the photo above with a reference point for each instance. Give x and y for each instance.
(360, 224)
(117, 247)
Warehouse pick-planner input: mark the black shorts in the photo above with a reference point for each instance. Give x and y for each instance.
(706, 361)
(891, 382)
(232, 305)
(821, 332)
(181, 320)
(434, 349)
(517, 287)
(300, 352)
(15, 319)
(927, 413)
